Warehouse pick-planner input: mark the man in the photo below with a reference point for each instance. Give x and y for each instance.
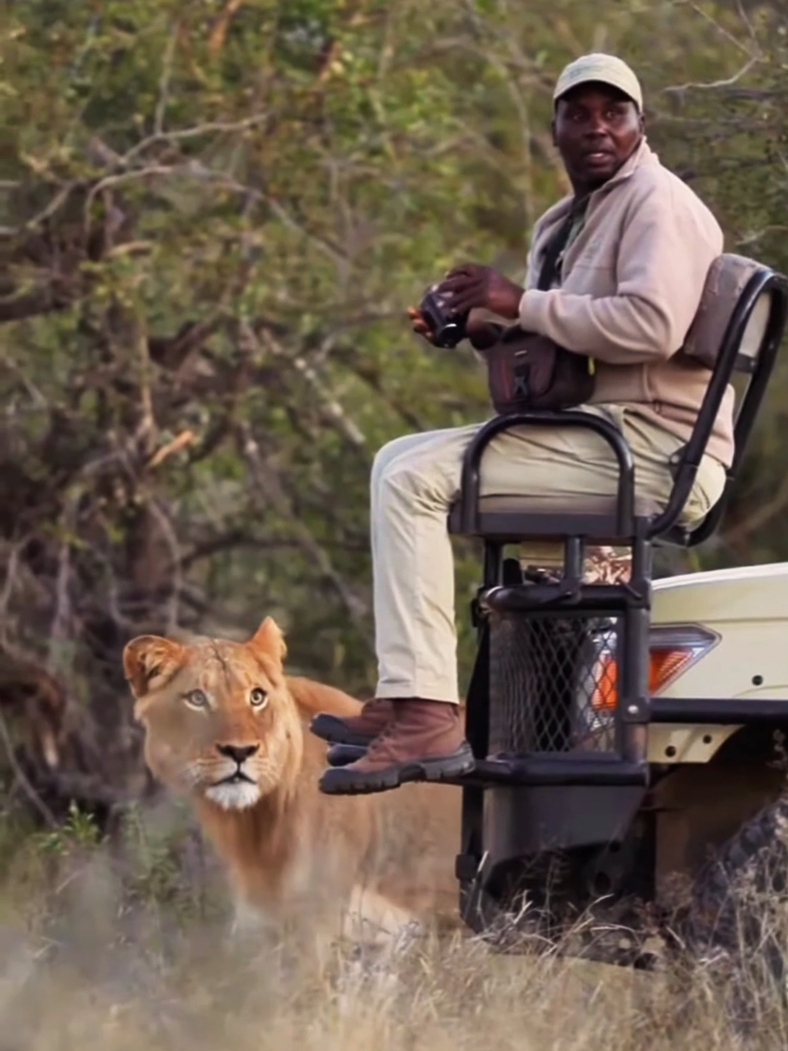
(637, 246)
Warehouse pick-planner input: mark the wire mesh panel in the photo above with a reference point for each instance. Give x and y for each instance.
(553, 683)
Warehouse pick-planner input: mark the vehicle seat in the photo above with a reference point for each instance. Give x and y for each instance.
(737, 329)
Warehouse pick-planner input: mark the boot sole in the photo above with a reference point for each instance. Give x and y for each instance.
(342, 754)
(342, 781)
(332, 729)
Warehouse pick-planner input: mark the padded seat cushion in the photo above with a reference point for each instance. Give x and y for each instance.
(518, 516)
(569, 505)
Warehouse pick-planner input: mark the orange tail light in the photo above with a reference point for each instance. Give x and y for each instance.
(668, 658)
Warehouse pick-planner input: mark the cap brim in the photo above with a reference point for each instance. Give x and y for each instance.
(588, 81)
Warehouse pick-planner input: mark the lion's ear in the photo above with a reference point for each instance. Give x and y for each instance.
(149, 661)
(268, 639)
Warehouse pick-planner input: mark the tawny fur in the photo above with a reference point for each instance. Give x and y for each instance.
(293, 848)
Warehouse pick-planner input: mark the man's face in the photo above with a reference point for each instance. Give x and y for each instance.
(596, 129)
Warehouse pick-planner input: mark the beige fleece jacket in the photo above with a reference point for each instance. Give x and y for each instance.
(631, 284)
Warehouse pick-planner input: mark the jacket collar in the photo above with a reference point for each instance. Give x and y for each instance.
(642, 157)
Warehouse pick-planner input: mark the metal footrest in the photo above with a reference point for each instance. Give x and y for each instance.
(524, 598)
(559, 771)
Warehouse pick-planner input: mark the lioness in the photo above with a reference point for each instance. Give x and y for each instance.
(225, 726)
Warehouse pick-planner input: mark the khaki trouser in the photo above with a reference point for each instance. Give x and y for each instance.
(416, 478)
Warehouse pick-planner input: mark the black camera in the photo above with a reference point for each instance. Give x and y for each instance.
(446, 325)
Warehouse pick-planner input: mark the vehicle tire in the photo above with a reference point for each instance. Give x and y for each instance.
(736, 926)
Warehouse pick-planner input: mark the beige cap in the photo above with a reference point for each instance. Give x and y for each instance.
(601, 69)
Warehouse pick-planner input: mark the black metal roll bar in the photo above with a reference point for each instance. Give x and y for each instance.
(469, 494)
(760, 367)
(662, 525)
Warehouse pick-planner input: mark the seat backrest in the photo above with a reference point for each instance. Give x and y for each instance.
(738, 327)
(726, 282)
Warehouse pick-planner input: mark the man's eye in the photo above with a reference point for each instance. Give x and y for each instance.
(258, 697)
(197, 699)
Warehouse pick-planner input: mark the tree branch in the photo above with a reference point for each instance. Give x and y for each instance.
(164, 81)
(221, 25)
(331, 407)
(273, 493)
(21, 777)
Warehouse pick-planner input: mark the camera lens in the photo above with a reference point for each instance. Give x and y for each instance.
(447, 327)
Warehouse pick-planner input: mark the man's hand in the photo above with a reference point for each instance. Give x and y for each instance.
(472, 286)
(420, 326)
(482, 334)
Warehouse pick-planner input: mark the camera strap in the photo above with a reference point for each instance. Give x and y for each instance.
(551, 265)
(553, 256)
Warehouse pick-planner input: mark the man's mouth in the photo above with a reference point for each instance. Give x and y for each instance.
(596, 156)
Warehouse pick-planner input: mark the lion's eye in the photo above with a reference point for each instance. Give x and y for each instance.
(197, 699)
(258, 697)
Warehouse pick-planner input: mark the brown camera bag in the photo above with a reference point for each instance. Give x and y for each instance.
(529, 371)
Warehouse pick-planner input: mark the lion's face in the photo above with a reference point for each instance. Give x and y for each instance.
(219, 721)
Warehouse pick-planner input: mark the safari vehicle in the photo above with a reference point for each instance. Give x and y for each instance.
(627, 732)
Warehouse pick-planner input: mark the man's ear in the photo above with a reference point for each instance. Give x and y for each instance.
(269, 641)
(552, 131)
(149, 661)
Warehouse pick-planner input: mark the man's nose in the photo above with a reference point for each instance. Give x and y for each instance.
(238, 752)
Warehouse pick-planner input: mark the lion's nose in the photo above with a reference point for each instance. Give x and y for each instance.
(238, 752)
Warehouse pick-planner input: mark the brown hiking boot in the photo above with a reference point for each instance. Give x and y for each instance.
(424, 742)
(359, 729)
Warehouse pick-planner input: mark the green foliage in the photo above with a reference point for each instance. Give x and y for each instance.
(162, 865)
(79, 832)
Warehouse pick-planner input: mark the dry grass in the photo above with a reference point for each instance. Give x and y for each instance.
(130, 946)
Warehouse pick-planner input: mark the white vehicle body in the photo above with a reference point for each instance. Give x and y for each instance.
(746, 608)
